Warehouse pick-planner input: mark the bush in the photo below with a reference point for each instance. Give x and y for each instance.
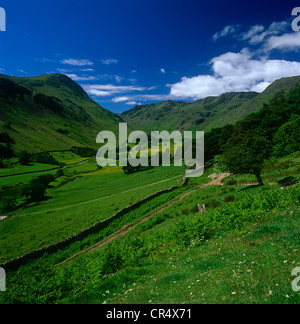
(24, 158)
(8, 204)
(44, 180)
(59, 173)
(212, 203)
(63, 131)
(230, 198)
(34, 192)
(287, 139)
(289, 181)
(84, 151)
(45, 158)
(231, 183)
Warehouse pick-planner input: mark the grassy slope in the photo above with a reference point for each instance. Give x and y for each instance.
(239, 252)
(34, 127)
(86, 196)
(203, 114)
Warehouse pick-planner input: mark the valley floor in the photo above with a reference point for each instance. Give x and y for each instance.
(242, 250)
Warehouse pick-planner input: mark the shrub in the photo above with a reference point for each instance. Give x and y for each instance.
(8, 204)
(44, 180)
(230, 198)
(24, 158)
(289, 181)
(34, 192)
(59, 173)
(83, 151)
(45, 158)
(231, 183)
(212, 203)
(63, 131)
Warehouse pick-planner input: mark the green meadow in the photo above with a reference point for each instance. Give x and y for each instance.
(242, 250)
(81, 198)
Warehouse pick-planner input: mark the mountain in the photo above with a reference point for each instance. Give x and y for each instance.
(51, 112)
(203, 114)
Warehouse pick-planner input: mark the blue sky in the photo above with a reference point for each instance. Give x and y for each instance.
(129, 52)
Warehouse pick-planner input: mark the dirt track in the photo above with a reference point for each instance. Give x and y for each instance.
(216, 181)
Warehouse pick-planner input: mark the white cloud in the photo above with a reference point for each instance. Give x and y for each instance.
(163, 71)
(288, 42)
(228, 30)
(118, 78)
(133, 103)
(120, 99)
(253, 32)
(76, 77)
(258, 34)
(109, 61)
(87, 70)
(235, 72)
(103, 90)
(76, 62)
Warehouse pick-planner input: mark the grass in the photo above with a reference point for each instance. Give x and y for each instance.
(274, 171)
(241, 267)
(248, 262)
(242, 250)
(17, 169)
(78, 203)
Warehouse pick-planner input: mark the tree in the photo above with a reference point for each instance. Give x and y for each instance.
(246, 152)
(8, 204)
(34, 191)
(45, 180)
(24, 158)
(287, 139)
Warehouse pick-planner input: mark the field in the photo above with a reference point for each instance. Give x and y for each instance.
(242, 250)
(83, 197)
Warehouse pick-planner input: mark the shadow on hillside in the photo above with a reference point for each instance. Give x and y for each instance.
(30, 203)
(251, 187)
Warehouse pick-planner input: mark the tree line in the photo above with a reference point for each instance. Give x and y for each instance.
(271, 132)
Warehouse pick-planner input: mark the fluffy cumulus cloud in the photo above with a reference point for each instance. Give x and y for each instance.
(234, 72)
(248, 70)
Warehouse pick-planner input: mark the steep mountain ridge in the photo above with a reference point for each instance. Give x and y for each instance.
(51, 112)
(204, 114)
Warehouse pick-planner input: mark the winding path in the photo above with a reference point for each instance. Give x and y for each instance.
(216, 181)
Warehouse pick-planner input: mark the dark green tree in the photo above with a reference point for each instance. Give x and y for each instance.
(34, 192)
(287, 140)
(8, 204)
(246, 152)
(24, 158)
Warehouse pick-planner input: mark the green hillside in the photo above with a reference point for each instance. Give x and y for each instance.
(50, 112)
(99, 235)
(203, 114)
